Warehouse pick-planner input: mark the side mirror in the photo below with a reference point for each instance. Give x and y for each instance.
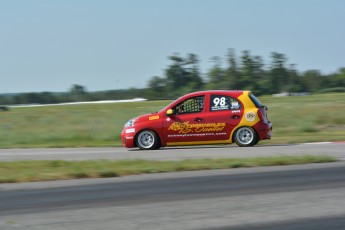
(170, 112)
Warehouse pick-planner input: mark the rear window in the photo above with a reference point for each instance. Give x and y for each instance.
(255, 100)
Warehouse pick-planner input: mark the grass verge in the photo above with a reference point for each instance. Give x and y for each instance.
(29, 171)
(301, 119)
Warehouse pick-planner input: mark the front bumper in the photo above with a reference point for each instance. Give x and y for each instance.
(127, 138)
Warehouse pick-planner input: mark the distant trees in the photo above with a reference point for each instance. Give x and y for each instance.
(34, 98)
(244, 72)
(157, 87)
(77, 93)
(183, 75)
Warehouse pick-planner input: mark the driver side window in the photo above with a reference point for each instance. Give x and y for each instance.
(191, 105)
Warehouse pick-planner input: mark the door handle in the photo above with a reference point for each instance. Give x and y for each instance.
(235, 116)
(198, 119)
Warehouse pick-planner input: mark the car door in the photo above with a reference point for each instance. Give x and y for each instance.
(183, 125)
(224, 114)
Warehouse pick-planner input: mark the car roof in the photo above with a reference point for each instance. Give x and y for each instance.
(237, 92)
(217, 92)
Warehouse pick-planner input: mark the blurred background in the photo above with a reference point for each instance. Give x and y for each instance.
(79, 51)
(62, 51)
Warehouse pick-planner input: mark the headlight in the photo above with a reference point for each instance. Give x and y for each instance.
(130, 123)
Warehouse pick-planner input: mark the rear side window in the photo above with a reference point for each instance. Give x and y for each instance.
(221, 102)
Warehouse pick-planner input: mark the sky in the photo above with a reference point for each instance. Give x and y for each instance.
(49, 45)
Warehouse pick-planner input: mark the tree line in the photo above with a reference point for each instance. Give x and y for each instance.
(183, 75)
(246, 71)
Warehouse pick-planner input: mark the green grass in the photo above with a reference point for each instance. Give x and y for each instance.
(69, 126)
(307, 118)
(295, 119)
(29, 171)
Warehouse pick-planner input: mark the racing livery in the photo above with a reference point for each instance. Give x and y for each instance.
(206, 117)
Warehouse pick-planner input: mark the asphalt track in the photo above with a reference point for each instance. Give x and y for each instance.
(281, 197)
(287, 197)
(180, 153)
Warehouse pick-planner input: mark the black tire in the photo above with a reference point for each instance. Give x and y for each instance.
(246, 136)
(147, 139)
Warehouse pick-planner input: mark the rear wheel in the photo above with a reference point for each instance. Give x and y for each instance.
(246, 136)
(147, 139)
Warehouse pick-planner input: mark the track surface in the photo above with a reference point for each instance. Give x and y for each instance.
(288, 197)
(333, 149)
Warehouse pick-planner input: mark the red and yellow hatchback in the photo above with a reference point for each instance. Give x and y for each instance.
(206, 117)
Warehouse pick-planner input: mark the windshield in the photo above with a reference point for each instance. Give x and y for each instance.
(169, 105)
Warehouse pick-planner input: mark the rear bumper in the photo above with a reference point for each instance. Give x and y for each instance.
(264, 130)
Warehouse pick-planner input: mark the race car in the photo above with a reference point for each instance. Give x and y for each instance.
(201, 118)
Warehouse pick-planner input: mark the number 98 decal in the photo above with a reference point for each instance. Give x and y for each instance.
(219, 103)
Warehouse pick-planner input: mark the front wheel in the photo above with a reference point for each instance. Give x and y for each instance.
(147, 139)
(246, 136)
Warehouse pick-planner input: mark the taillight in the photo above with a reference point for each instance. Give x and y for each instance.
(260, 114)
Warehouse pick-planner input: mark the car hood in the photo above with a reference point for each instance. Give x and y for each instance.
(148, 117)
